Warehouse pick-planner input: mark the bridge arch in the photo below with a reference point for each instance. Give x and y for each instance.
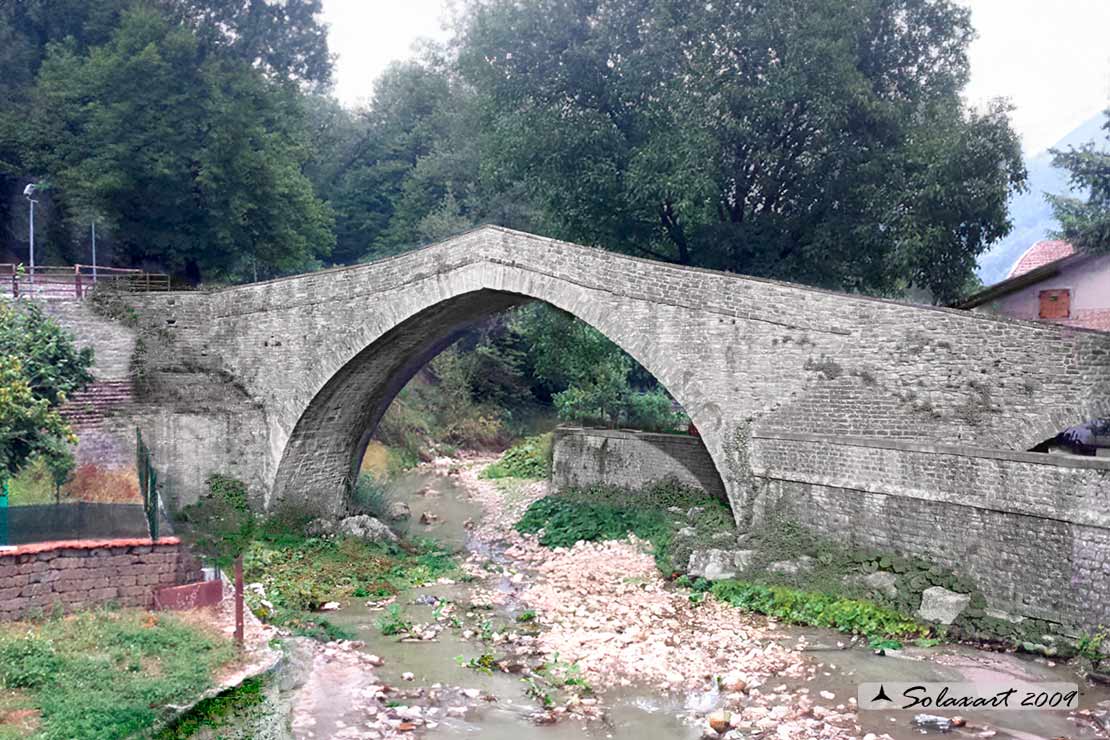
(319, 460)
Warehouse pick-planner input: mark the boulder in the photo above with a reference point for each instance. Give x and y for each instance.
(715, 565)
(942, 606)
(398, 511)
(366, 527)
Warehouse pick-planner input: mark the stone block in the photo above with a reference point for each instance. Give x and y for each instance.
(941, 605)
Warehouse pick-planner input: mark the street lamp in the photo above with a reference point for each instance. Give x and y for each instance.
(29, 194)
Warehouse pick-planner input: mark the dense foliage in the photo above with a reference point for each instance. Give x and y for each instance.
(530, 458)
(103, 675)
(824, 143)
(820, 610)
(178, 126)
(220, 525)
(657, 513)
(1086, 223)
(39, 367)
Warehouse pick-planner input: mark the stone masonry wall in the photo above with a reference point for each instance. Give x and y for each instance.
(585, 457)
(1031, 530)
(84, 574)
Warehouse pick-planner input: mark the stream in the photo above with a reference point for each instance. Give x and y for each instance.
(454, 700)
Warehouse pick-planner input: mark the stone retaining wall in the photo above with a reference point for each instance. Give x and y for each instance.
(585, 457)
(1032, 531)
(89, 573)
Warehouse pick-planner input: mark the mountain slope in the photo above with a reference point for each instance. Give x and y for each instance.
(1030, 211)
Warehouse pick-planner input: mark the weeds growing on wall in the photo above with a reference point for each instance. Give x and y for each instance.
(103, 675)
(529, 458)
(213, 712)
(673, 517)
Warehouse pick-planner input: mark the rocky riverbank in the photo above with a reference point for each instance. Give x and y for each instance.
(604, 607)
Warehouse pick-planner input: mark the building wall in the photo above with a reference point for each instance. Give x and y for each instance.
(1089, 283)
(85, 574)
(586, 457)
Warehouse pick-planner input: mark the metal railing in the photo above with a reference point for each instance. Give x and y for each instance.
(76, 281)
(148, 483)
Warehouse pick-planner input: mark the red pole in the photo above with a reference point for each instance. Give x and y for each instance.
(239, 601)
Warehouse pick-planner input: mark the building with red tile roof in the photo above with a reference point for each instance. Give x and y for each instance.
(1052, 282)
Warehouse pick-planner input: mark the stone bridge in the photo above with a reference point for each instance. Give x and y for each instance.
(896, 423)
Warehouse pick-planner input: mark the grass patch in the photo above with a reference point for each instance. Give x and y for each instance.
(213, 711)
(853, 616)
(671, 516)
(105, 674)
(300, 574)
(529, 458)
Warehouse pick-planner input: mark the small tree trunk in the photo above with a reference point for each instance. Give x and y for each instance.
(239, 600)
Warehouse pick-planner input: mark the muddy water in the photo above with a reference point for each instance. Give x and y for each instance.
(631, 714)
(645, 713)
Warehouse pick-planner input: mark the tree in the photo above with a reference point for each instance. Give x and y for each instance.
(220, 526)
(195, 166)
(285, 39)
(39, 368)
(823, 142)
(1086, 224)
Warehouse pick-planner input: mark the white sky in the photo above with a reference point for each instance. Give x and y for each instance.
(1051, 58)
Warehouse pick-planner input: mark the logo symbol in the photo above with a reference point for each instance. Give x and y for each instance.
(881, 696)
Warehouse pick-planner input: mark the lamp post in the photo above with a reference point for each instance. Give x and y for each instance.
(94, 252)
(29, 193)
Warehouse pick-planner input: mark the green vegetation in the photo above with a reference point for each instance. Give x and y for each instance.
(103, 675)
(1086, 224)
(393, 622)
(821, 610)
(658, 513)
(213, 712)
(39, 367)
(530, 459)
(300, 574)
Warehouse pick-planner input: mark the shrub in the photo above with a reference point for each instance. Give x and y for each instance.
(819, 610)
(529, 458)
(655, 513)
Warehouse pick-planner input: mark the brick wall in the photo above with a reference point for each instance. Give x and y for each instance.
(585, 457)
(1031, 530)
(85, 574)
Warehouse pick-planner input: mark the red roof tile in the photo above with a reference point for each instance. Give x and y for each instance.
(1040, 254)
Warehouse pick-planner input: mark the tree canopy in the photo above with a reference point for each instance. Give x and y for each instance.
(39, 367)
(823, 143)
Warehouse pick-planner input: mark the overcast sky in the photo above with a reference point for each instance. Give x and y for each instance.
(1049, 57)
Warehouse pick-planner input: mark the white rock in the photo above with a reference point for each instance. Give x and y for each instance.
(367, 528)
(942, 606)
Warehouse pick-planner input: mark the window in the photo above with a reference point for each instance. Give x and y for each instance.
(1056, 303)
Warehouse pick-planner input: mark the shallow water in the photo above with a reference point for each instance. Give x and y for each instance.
(645, 713)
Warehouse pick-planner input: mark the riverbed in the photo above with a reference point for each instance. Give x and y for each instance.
(589, 641)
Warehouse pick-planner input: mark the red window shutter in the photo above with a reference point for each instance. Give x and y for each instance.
(1056, 303)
